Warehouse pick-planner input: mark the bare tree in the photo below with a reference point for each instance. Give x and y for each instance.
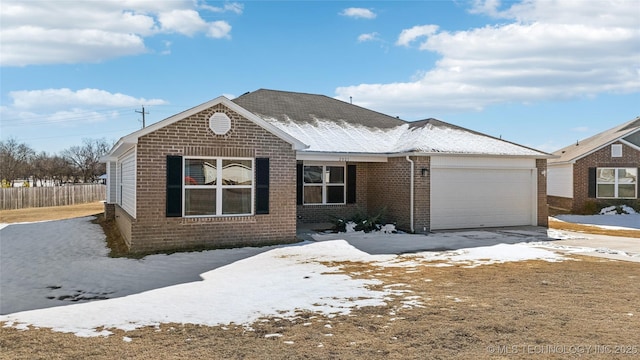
(39, 170)
(15, 160)
(86, 158)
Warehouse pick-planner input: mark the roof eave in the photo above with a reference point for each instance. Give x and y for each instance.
(122, 146)
(440, 153)
(130, 140)
(585, 154)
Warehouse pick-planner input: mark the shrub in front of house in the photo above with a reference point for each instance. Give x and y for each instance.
(359, 221)
(599, 207)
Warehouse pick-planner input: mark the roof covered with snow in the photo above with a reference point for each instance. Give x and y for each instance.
(334, 126)
(628, 131)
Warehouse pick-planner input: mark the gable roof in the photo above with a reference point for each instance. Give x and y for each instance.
(302, 108)
(328, 125)
(127, 142)
(623, 133)
(317, 124)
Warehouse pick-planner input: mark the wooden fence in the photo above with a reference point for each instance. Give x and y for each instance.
(26, 197)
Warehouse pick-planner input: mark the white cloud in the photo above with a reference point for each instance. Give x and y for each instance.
(368, 37)
(358, 13)
(46, 32)
(65, 105)
(219, 29)
(409, 35)
(228, 7)
(549, 50)
(48, 98)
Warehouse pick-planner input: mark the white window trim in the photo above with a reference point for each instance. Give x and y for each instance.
(218, 187)
(615, 183)
(324, 184)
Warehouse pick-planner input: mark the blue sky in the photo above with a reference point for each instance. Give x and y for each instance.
(540, 73)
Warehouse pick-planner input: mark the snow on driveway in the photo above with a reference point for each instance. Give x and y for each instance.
(43, 265)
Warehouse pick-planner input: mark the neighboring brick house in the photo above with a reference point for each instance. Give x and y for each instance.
(247, 171)
(600, 170)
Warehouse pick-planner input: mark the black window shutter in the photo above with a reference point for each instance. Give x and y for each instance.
(262, 185)
(351, 184)
(299, 170)
(174, 186)
(592, 182)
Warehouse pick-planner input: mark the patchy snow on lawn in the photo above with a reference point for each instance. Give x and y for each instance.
(609, 221)
(54, 263)
(495, 254)
(238, 286)
(275, 283)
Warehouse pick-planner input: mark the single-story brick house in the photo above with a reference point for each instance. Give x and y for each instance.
(246, 171)
(599, 169)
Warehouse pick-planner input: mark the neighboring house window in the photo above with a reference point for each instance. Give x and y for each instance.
(616, 150)
(218, 186)
(324, 184)
(617, 183)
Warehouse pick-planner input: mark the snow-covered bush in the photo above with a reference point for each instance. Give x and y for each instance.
(617, 209)
(361, 221)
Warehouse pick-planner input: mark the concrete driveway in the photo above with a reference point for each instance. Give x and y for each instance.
(620, 248)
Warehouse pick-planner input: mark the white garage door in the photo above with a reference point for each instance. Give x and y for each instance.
(469, 198)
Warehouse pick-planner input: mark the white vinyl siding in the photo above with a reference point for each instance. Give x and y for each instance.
(127, 179)
(112, 182)
(482, 192)
(560, 180)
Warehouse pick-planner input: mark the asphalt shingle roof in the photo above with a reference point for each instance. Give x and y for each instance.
(584, 147)
(308, 108)
(330, 125)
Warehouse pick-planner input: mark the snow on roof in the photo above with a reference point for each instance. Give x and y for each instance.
(334, 126)
(343, 137)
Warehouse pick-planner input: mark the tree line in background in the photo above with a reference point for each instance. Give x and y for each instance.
(77, 164)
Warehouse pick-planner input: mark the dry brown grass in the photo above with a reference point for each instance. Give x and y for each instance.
(591, 229)
(466, 313)
(512, 310)
(51, 213)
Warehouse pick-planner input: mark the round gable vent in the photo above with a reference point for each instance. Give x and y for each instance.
(219, 123)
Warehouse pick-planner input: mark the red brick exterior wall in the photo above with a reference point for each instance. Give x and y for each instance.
(383, 187)
(389, 189)
(560, 202)
(422, 194)
(152, 230)
(328, 213)
(601, 158)
(543, 207)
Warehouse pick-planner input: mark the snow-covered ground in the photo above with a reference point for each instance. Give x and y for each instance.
(631, 221)
(48, 264)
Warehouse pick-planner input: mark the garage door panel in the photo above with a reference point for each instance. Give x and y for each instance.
(465, 198)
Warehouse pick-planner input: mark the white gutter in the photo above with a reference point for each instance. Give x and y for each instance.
(411, 194)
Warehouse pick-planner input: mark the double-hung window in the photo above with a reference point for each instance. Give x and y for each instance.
(218, 186)
(617, 183)
(323, 184)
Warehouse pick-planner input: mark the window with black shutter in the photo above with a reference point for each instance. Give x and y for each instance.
(262, 185)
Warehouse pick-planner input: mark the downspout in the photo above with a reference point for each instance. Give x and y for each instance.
(411, 194)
